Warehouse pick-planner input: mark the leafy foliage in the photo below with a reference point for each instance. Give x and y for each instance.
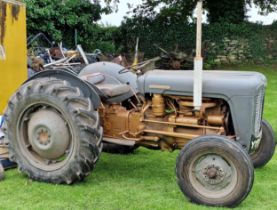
(169, 24)
(226, 11)
(261, 44)
(265, 5)
(59, 20)
(231, 11)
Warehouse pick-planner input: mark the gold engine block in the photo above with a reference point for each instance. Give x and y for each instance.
(166, 122)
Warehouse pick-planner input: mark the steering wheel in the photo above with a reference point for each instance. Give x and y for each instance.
(126, 70)
(139, 66)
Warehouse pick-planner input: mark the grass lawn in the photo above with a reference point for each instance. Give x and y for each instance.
(144, 180)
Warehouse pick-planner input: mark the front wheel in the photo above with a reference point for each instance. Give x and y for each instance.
(214, 171)
(266, 149)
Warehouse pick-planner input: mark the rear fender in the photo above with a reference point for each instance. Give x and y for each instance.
(88, 90)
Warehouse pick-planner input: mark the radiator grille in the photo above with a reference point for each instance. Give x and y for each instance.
(259, 104)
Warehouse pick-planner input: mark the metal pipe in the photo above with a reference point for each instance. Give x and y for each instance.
(83, 54)
(61, 49)
(198, 61)
(56, 62)
(199, 29)
(172, 134)
(205, 104)
(136, 59)
(183, 125)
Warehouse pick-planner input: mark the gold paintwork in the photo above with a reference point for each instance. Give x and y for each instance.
(163, 87)
(216, 120)
(13, 49)
(158, 105)
(164, 122)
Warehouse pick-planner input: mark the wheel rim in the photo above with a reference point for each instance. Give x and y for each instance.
(45, 136)
(213, 176)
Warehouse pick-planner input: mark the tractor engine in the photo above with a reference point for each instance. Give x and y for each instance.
(165, 122)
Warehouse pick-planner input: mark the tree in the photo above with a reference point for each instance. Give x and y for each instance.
(233, 11)
(225, 10)
(58, 20)
(265, 5)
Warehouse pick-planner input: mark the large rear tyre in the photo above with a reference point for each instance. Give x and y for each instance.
(214, 171)
(53, 131)
(266, 149)
(118, 149)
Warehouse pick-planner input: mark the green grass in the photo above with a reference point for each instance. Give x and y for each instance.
(145, 180)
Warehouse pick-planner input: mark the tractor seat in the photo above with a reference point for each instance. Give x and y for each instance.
(94, 79)
(113, 90)
(107, 84)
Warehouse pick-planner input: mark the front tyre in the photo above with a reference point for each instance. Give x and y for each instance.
(266, 149)
(214, 171)
(53, 131)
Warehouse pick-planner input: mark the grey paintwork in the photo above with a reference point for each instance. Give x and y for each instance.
(238, 89)
(113, 70)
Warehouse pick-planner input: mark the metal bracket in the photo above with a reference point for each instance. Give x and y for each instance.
(2, 53)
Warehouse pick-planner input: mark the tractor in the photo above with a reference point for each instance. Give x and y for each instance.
(57, 124)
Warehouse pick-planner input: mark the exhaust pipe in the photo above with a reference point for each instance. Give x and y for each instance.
(198, 61)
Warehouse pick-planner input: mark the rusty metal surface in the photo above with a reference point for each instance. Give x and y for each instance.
(15, 10)
(3, 16)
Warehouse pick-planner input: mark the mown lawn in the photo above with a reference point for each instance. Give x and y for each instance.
(144, 180)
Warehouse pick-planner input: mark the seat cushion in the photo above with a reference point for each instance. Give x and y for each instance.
(113, 90)
(94, 78)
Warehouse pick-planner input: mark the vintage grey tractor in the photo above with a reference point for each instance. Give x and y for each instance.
(57, 124)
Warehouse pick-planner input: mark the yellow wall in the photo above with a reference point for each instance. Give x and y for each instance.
(13, 49)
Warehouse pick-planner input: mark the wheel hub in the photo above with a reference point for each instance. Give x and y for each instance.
(48, 134)
(213, 172)
(43, 136)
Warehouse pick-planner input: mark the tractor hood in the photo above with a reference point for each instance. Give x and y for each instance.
(218, 84)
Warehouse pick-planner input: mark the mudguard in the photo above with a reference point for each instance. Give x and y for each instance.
(88, 89)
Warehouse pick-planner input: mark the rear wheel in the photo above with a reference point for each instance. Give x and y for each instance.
(118, 149)
(53, 131)
(266, 149)
(214, 171)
